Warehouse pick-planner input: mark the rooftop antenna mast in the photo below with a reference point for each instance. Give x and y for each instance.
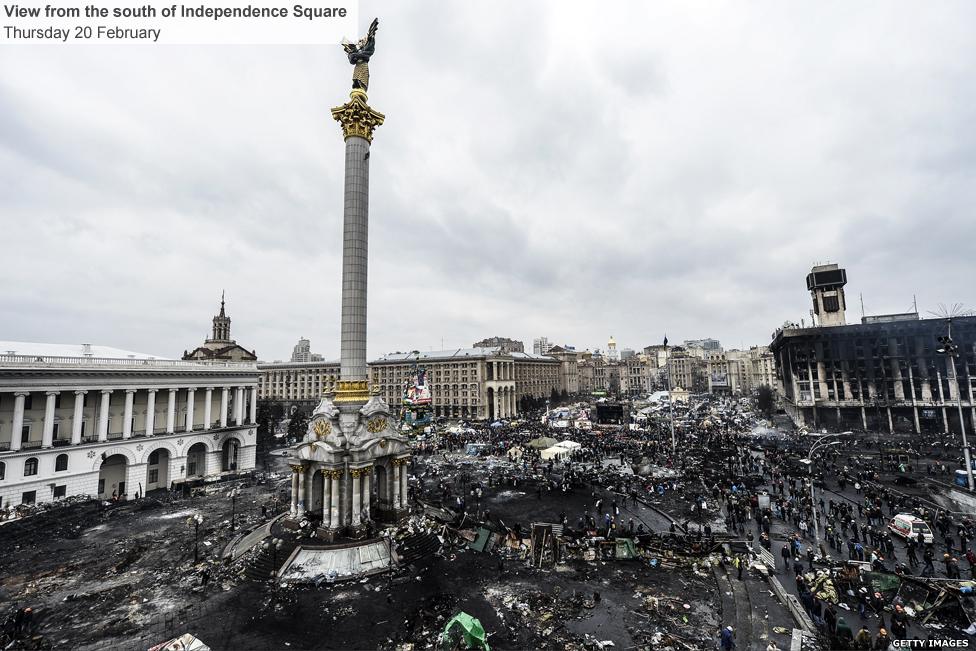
(862, 304)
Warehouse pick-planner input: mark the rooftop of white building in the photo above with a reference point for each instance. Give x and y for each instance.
(458, 353)
(30, 348)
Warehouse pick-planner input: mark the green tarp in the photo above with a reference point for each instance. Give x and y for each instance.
(471, 629)
(481, 542)
(625, 548)
(881, 581)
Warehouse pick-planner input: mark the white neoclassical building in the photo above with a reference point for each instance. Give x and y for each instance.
(99, 421)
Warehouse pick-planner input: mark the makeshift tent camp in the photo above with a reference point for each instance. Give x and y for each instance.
(542, 442)
(467, 627)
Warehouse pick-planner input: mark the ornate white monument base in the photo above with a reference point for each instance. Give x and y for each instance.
(350, 469)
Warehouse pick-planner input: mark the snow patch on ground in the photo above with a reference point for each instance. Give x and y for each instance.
(179, 514)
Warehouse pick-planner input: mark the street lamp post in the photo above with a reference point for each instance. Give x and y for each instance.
(951, 351)
(233, 509)
(274, 545)
(813, 503)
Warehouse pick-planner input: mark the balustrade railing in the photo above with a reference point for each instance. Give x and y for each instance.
(60, 360)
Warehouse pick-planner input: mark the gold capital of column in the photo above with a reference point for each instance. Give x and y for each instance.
(357, 117)
(355, 391)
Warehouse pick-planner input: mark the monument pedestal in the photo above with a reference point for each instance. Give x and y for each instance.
(325, 534)
(388, 515)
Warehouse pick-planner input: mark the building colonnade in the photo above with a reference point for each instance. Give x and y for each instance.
(238, 405)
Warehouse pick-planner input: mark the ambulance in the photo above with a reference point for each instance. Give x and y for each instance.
(907, 526)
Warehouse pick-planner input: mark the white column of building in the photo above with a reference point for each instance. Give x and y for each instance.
(396, 484)
(239, 405)
(404, 499)
(79, 417)
(150, 411)
(223, 406)
(47, 438)
(171, 412)
(367, 490)
(334, 506)
(18, 426)
(190, 393)
(103, 415)
(253, 418)
(206, 408)
(127, 414)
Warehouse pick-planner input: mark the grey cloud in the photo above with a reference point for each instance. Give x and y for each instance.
(541, 171)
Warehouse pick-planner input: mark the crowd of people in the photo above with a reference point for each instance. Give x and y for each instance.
(726, 481)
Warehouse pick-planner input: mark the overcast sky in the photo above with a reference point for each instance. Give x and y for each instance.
(629, 169)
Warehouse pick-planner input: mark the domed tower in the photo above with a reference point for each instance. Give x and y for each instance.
(221, 326)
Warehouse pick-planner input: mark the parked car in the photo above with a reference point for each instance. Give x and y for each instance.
(907, 526)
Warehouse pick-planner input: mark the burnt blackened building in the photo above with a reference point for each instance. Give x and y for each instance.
(884, 374)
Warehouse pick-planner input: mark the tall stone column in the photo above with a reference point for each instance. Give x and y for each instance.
(16, 431)
(223, 406)
(190, 396)
(47, 437)
(301, 492)
(206, 408)
(334, 520)
(357, 498)
(396, 483)
(127, 414)
(294, 489)
(404, 499)
(150, 412)
(79, 417)
(326, 499)
(171, 412)
(103, 415)
(367, 491)
(253, 416)
(358, 121)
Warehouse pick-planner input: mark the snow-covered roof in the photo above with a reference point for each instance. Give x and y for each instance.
(70, 350)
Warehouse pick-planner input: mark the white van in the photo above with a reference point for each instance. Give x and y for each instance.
(907, 526)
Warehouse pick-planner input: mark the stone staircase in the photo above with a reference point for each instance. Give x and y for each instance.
(416, 547)
(261, 567)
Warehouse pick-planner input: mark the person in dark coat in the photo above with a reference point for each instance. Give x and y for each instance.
(843, 634)
(727, 639)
